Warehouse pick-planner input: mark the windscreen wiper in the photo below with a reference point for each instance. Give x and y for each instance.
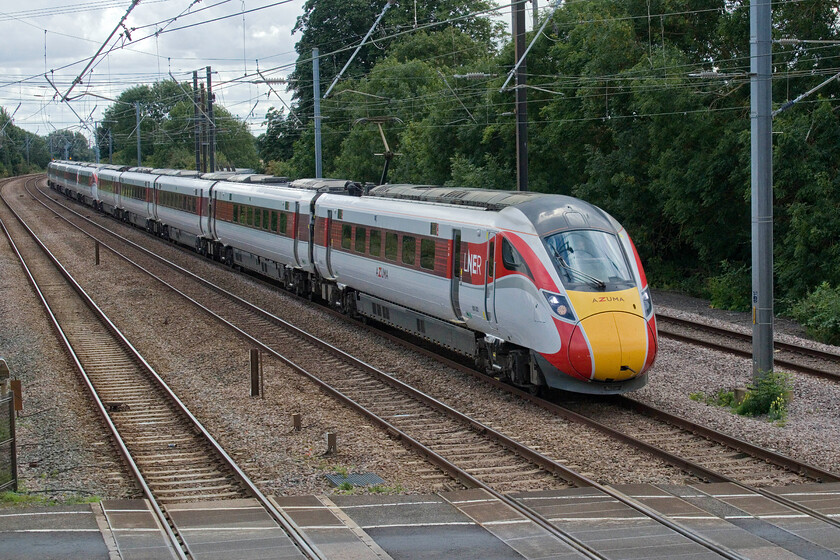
(594, 280)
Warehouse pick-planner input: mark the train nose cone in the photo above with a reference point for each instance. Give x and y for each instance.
(609, 346)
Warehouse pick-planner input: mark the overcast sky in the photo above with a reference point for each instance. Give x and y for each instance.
(58, 38)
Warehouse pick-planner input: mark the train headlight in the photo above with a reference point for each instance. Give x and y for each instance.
(647, 302)
(560, 306)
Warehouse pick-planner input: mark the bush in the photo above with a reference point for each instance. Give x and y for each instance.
(768, 395)
(819, 313)
(731, 289)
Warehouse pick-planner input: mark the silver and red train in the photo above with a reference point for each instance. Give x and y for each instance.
(543, 290)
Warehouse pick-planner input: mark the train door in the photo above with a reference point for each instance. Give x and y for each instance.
(151, 199)
(489, 280)
(328, 242)
(295, 219)
(455, 285)
(212, 203)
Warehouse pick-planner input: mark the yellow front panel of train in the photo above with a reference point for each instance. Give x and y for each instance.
(617, 340)
(616, 332)
(590, 303)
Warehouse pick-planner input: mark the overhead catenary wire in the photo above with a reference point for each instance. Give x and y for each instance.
(555, 88)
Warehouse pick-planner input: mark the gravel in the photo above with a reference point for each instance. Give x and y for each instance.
(208, 368)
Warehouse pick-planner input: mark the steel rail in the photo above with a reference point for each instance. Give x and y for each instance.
(160, 518)
(804, 469)
(455, 472)
(291, 528)
(442, 463)
(721, 331)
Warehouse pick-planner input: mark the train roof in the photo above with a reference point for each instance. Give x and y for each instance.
(175, 172)
(257, 178)
(548, 212)
(480, 198)
(337, 186)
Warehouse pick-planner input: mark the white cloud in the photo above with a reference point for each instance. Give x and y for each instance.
(76, 30)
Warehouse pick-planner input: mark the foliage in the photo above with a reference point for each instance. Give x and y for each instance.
(21, 152)
(731, 288)
(277, 142)
(28, 499)
(768, 395)
(64, 144)
(819, 313)
(722, 398)
(333, 25)
(167, 133)
(349, 489)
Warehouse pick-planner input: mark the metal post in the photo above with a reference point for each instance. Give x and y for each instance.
(761, 185)
(203, 134)
(255, 373)
(197, 122)
(110, 147)
(211, 125)
(536, 14)
(316, 84)
(521, 99)
(13, 444)
(137, 115)
(17, 394)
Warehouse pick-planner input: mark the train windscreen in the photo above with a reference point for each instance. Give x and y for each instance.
(589, 260)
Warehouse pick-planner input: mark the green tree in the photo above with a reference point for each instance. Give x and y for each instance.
(21, 152)
(64, 144)
(167, 129)
(277, 143)
(336, 26)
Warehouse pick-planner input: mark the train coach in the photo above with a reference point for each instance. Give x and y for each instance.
(542, 290)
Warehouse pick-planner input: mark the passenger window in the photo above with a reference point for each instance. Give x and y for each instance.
(375, 242)
(235, 212)
(283, 218)
(491, 260)
(361, 239)
(250, 216)
(427, 254)
(257, 215)
(391, 246)
(273, 220)
(409, 246)
(346, 235)
(265, 219)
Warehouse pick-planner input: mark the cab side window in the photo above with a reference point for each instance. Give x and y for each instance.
(512, 260)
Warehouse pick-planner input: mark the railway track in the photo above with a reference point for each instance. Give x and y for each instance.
(169, 453)
(471, 452)
(799, 358)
